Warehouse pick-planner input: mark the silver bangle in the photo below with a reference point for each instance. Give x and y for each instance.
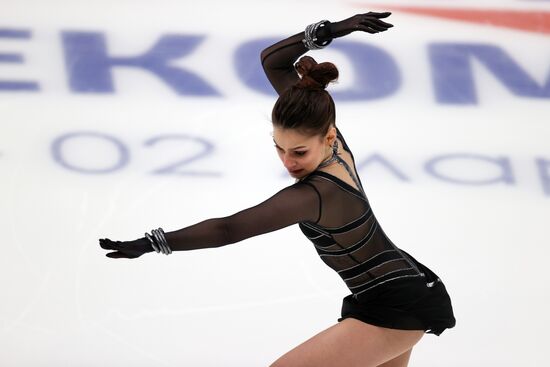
(153, 244)
(158, 234)
(158, 241)
(165, 242)
(310, 36)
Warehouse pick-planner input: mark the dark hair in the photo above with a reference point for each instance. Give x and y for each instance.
(307, 106)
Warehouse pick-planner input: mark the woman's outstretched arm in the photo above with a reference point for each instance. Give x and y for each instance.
(297, 203)
(278, 59)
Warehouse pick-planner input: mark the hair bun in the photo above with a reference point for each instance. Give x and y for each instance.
(314, 75)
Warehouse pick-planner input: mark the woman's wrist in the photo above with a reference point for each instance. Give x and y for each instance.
(317, 35)
(324, 33)
(158, 242)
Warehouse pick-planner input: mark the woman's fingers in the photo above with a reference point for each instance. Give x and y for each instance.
(366, 29)
(117, 255)
(379, 15)
(107, 244)
(374, 18)
(384, 24)
(370, 29)
(121, 249)
(377, 22)
(374, 25)
(367, 22)
(124, 254)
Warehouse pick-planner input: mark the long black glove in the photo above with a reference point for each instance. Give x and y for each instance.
(126, 249)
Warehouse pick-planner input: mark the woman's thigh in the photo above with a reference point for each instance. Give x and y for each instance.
(351, 343)
(399, 361)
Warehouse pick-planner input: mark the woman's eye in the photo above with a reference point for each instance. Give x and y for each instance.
(301, 153)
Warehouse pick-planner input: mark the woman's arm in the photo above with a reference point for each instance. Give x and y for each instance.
(294, 204)
(278, 59)
(297, 203)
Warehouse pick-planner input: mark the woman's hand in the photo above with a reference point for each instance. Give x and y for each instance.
(369, 22)
(126, 249)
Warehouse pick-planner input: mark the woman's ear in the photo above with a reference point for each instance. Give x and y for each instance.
(330, 138)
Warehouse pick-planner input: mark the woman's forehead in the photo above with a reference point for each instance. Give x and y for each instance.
(291, 138)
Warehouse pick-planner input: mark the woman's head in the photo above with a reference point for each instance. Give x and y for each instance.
(304, 118)
(307, 106)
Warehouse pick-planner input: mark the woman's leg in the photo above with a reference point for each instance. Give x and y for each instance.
(351, 343)
(399, 361)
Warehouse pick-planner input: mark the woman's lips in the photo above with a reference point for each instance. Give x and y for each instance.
(296, 171)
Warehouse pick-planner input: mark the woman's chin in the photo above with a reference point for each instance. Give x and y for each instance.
(298, 174)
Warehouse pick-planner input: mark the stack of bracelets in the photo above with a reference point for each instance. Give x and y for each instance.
(310, 35)
(158, 241)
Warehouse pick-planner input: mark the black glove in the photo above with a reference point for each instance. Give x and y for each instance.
(369, 22)
(126, 249)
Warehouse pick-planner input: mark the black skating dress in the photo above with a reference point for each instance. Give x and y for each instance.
(389, 287)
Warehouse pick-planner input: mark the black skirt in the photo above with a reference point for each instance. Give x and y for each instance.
(416, 303)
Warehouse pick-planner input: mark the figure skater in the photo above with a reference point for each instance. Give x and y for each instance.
(394, 299)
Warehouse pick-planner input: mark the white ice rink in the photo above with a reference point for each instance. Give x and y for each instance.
(117, 117)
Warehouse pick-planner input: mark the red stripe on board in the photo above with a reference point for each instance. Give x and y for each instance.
(530, 21)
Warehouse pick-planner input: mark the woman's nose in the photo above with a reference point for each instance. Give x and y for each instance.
(288, 162)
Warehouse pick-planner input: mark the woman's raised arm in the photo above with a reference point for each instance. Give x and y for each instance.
(278, 59)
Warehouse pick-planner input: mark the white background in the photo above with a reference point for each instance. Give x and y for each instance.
(64, 303)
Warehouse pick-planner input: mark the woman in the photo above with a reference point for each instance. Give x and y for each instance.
(395, 299)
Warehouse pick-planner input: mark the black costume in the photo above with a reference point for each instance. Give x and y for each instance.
(389, 287)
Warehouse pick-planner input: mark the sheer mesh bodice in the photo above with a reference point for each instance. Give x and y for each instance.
(347, 236)
(332, 213)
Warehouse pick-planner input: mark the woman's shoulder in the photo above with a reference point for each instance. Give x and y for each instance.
(326, 184)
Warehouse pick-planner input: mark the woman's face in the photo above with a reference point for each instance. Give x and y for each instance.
(301, 154)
